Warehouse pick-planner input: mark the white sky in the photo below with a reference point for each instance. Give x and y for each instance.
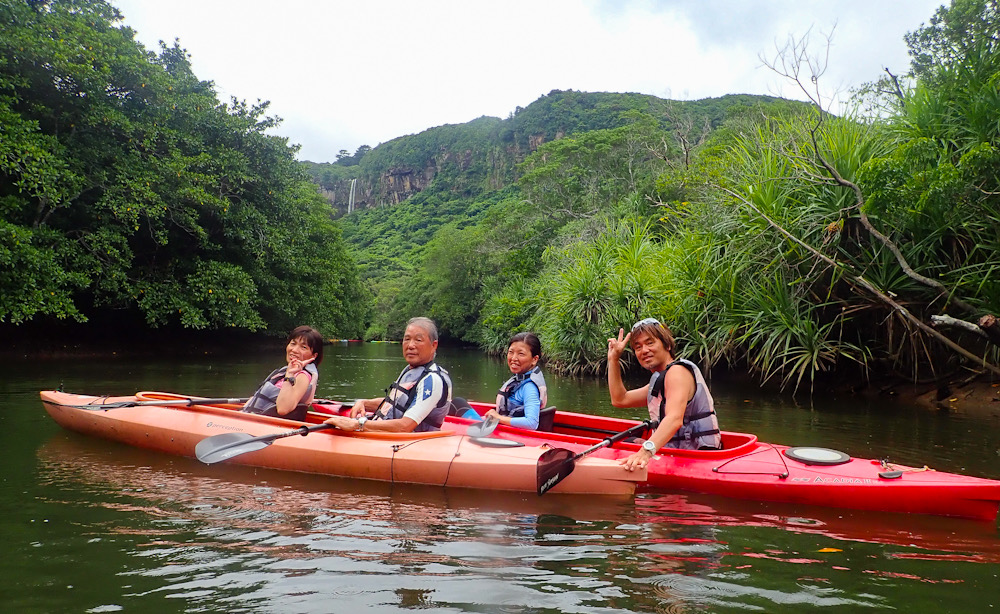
(346, 73)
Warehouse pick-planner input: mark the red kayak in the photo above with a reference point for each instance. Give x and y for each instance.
(750, 469)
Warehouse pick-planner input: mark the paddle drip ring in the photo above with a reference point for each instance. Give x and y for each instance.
(817, 456)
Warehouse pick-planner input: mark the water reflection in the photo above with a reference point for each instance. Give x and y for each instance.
(98, 527)
(247, 540)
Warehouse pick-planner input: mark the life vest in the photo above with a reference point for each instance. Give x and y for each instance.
(515, 383)
(700, 428)
(400, 396)
(265, 400)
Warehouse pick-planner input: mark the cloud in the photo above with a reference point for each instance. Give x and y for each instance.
(343, 74)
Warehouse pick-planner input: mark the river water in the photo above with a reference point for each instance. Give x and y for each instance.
(92, 526)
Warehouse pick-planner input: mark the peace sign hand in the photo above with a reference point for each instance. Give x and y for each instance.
(295, 365)
(616, 347)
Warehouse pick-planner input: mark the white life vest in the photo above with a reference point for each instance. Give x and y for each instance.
(700, 428)
(399, 396)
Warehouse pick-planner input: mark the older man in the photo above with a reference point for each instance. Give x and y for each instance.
(419, 398)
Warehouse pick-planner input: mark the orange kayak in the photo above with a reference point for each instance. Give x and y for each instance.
(442, 458)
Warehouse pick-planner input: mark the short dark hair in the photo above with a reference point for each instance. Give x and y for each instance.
(657, 329)
(312, 338)
(528, 338)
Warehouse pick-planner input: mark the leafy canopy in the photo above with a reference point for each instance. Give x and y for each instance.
(126, 184)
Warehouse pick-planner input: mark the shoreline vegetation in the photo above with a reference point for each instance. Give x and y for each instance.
(980, 395)
(800, 249)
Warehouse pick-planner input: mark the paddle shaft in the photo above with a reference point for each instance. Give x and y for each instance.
(165, 403)
(219, 401)
(615, 438)
(205, 451)
(556, 464)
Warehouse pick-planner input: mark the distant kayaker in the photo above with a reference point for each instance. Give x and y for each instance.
(419, 398)
(288, 391)
(676, 394)
(523, 395)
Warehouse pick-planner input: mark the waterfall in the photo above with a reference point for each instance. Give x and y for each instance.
(350, 201)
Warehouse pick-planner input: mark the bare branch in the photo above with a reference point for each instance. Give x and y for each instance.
(788, 63)
(860, 281)
(898, 91)
(900, 258)
(790, 59)
(948, 321)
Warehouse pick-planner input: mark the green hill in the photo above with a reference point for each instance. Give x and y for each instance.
(470, 178)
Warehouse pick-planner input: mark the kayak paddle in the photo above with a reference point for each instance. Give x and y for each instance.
(218, 448)
(556, 464)
(177, 402)
(483, 428)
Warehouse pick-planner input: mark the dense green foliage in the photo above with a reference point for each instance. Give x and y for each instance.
(126, 185)
(565, 113)
(762, 231)
(511, 202)
(768, 234)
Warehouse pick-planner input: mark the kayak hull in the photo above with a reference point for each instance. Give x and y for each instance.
(750, 469)
(442, 458)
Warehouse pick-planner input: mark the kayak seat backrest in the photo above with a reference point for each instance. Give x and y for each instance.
(731, 441)
(546, 418)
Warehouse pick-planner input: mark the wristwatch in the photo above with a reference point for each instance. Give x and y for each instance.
(649, 446)
(361, 422)
(290, 379)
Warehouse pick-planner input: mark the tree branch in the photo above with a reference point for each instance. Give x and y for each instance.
(947, 320)
(791, 57)
(859, 280)
(898, 91)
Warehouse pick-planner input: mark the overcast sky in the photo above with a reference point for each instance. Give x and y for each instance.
(346, 73)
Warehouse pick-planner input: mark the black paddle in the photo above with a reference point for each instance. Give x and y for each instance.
(218, 448)
(556, 464)
(177, 402)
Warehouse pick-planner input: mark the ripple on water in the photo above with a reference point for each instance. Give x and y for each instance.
(681, 592)
(240, 540)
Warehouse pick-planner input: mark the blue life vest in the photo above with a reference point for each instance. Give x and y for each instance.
(512, 385)
(265, 400)
(400, 397)
(700, 428)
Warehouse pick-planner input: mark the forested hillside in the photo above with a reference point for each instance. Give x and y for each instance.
(571, 154)
(481, 155)
(770, 235)
(129, 191)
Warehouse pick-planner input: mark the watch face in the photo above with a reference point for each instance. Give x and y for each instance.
(648, 446)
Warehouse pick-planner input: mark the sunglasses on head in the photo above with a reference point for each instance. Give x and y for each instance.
(644, 322)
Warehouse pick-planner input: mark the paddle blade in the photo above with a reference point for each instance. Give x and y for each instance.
(484, 428)
(218, 448)
(553, 467)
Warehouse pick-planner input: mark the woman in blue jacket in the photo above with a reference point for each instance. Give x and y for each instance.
(523, 395)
